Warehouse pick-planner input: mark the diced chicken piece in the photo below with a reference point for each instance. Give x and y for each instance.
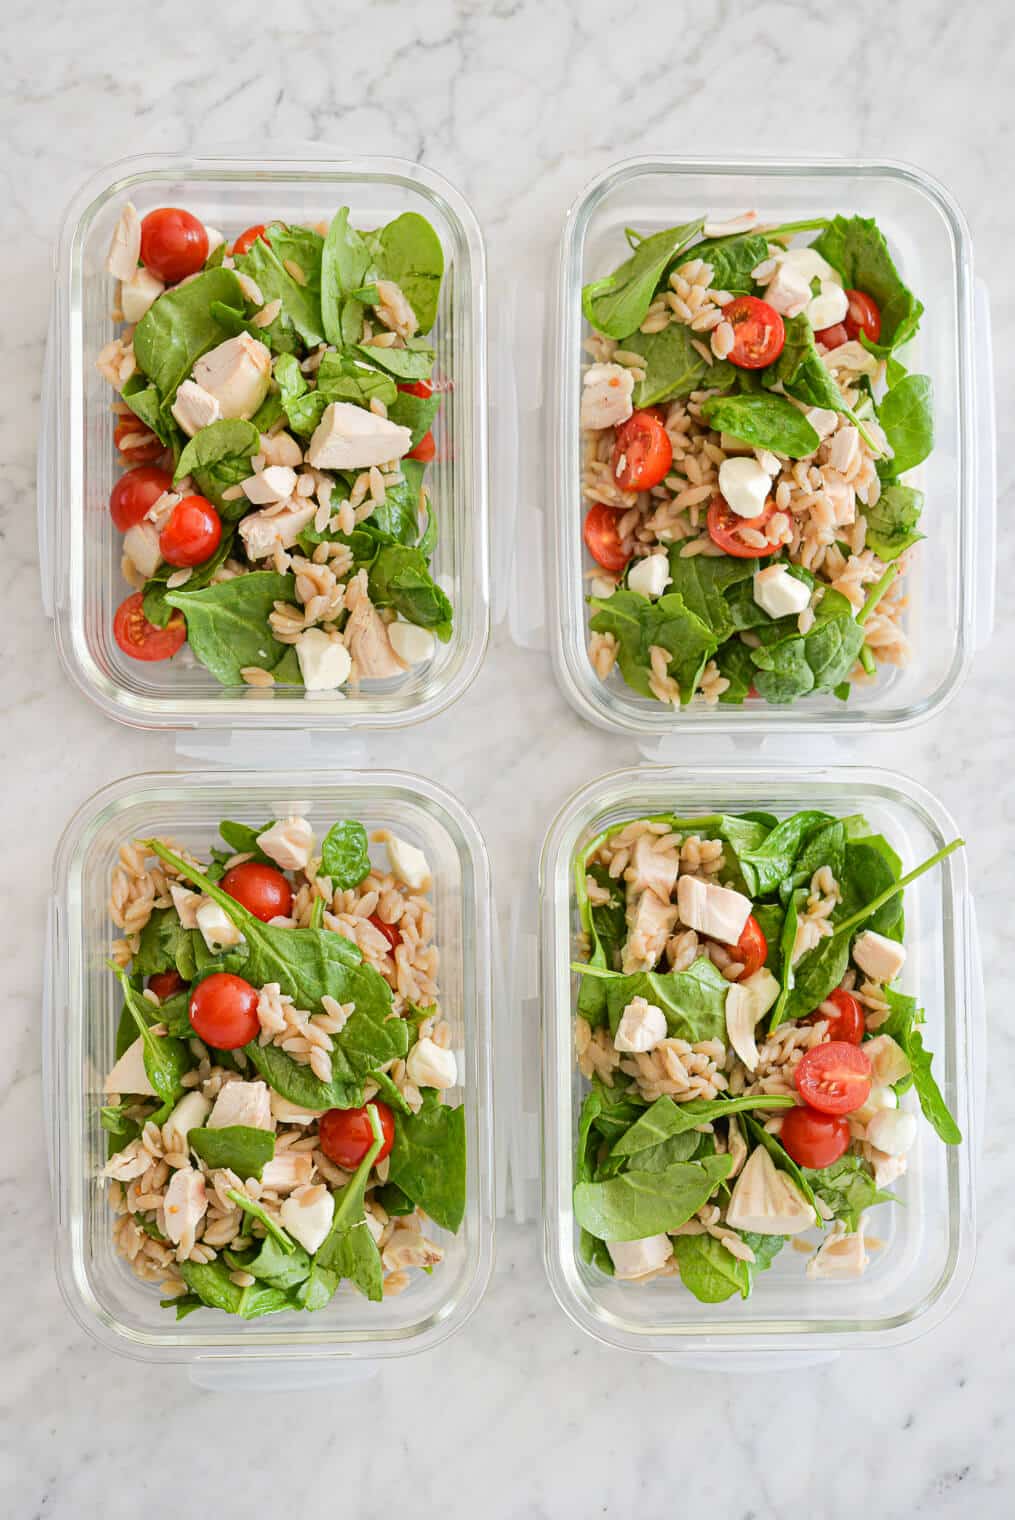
(407, 863)
(718, 912)
(125, 245)
(892, 1131)
(276, 483)
(138, 293)
(636, 1258)
(412, 645)
(407, 1247)
(291, 1113)
(840, 1255)
(308, 1223)
(854, 359)
(349, 437)
(281, 449)
(887, 1169)
(374, 1225)
(186, 1202)
(325, 663)
(366, 637)
(237, 373)
(881, 958)
(217, 929)
(828, 307)
(195, 408)
(766, 1200)
(788, 292)
(190, 1113)
(394, 310)
(263, 532)
(247, 1103)
(606, 396)
(186, 904)
(430, 1065)
(651, 923)
(642, 1025)
(778, 593)
(745, 485)
(889, 1062)
(141, 546)
(746, 1003)
(877, 1099)
(292, 1169)
(289, 843)
(129, 1074)
(822, 420)
(126, 1165)
(654, 870)
(650, 576)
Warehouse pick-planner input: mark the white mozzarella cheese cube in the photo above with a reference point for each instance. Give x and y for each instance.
(324, 662)
(430, 1065)
(718, 912)
(650, 576)
(412, 645)
(744, 485)
(129, 1075)
(636, 1258)
(308, 1223)
(195, 408)
(408, 863)
(787, 292)
(237, 373)
(881, 958)
(349, 437)
(892, 1131)
(778, 593)
(642, 1026)
(878, 1098)
(828, 307)
(246, 1103)
(217, 929)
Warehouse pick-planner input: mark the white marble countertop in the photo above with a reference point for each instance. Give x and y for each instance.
(519, 103)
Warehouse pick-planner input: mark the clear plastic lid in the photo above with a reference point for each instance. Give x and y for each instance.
(79, 545)
(80, 1017)
(927, 1239)
(950, 612)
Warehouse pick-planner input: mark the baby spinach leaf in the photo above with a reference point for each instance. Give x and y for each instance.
(665, 1118)
(709, 1271)
(588, 1139)
(847, 1187)
(693, 1001)
(349, 1250)
(340, 378)
(271, 1265)
(825, 846)
(674, 367)
(117, 1123)
(783, 966)
(257, 1211)
(763, 420)
(400, 578)
(804, 375)
(156, 609)
(765, 865)
(242, 839)
(770, 918)
(891, 522)
(417, 413)
(398, 514)
(606, 926)
(299, 1084)
(344, 264)
(818, 660)
(394, 1202)
(411, 363)
(238, 1146)
(219, 456)
(637, 1204)
(427, 1160)
(345, 854)
(146, 404)
(179, 327)
(935, 1109)
(705, 584)
(227, 624)
(265, 262)
(617, 304)
(856, 248)
(408, 252)
(164, 943)
(907, 416)
(733, 259)
(211, 1283)
(734, 661)
(870, 868)
(280, 336)
(617, 1107)
(165, 1058)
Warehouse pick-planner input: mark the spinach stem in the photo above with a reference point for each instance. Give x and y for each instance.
(870, 908)
(877, 591)
(866, 660)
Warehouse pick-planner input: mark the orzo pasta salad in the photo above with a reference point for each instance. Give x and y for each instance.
(274, 413)
(753, 1067)
(747, 429)
(276, 1112)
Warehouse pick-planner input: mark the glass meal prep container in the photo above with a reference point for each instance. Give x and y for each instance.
(950, 611)
(920, 1271)
(79, 545)
(82, 1007)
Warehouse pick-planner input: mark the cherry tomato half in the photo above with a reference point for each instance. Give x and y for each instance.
(165, 983)
(846, 1022)
(642, 452)
(223, 1011)
(752, 948)
(863, 316)
(832, 337)
(261, 889)
(192, 533)
(135, 492)
(602, 539)
(391, 932)
(424, 450)
(345, 1134)
(834, 1078)
(420, 388)
(758, 332)
(814, 1139)
(173, 244)
(247, 239)
(141, 639)
(724, 528)
(136, 443)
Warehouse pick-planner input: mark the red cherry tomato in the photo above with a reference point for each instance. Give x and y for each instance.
(141, 639)
(261, 889)
(424, 450)
(724, 527)
(847, 1022)
(193, 532)
(246, 240)
(345, 1134)
(135, 492)
(863, 316)
(834, 1078)
(420, 388)
(813, 1139)
(832, 337)
(602, 539)
(752, 948)
(391, 932)
(642, 452)
(173, 244)
(165, 983)
(758, 332)
(136, 443)
(223, 1011)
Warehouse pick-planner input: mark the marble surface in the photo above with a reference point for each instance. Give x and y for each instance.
(520, 103)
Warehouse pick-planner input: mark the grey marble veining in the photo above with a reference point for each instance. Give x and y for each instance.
(519, 103)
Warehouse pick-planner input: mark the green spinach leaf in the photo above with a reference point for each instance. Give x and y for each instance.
(238, 1146)
(693, 1001)
(179, 327)
(637, 1204)
(847, 1187)
(400, 578)
(427, 1160)
(617, 304)
(907, 416)
(856, 248)
(349, 1250)
(891, 522)
(266, 264)
(218, 457)
(417, 413)
(345, 854)
(165, 1058)
(674, 367)
(765, 421)
(408, 252)
(709, 1271)
(411, 363)
(227, 624)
